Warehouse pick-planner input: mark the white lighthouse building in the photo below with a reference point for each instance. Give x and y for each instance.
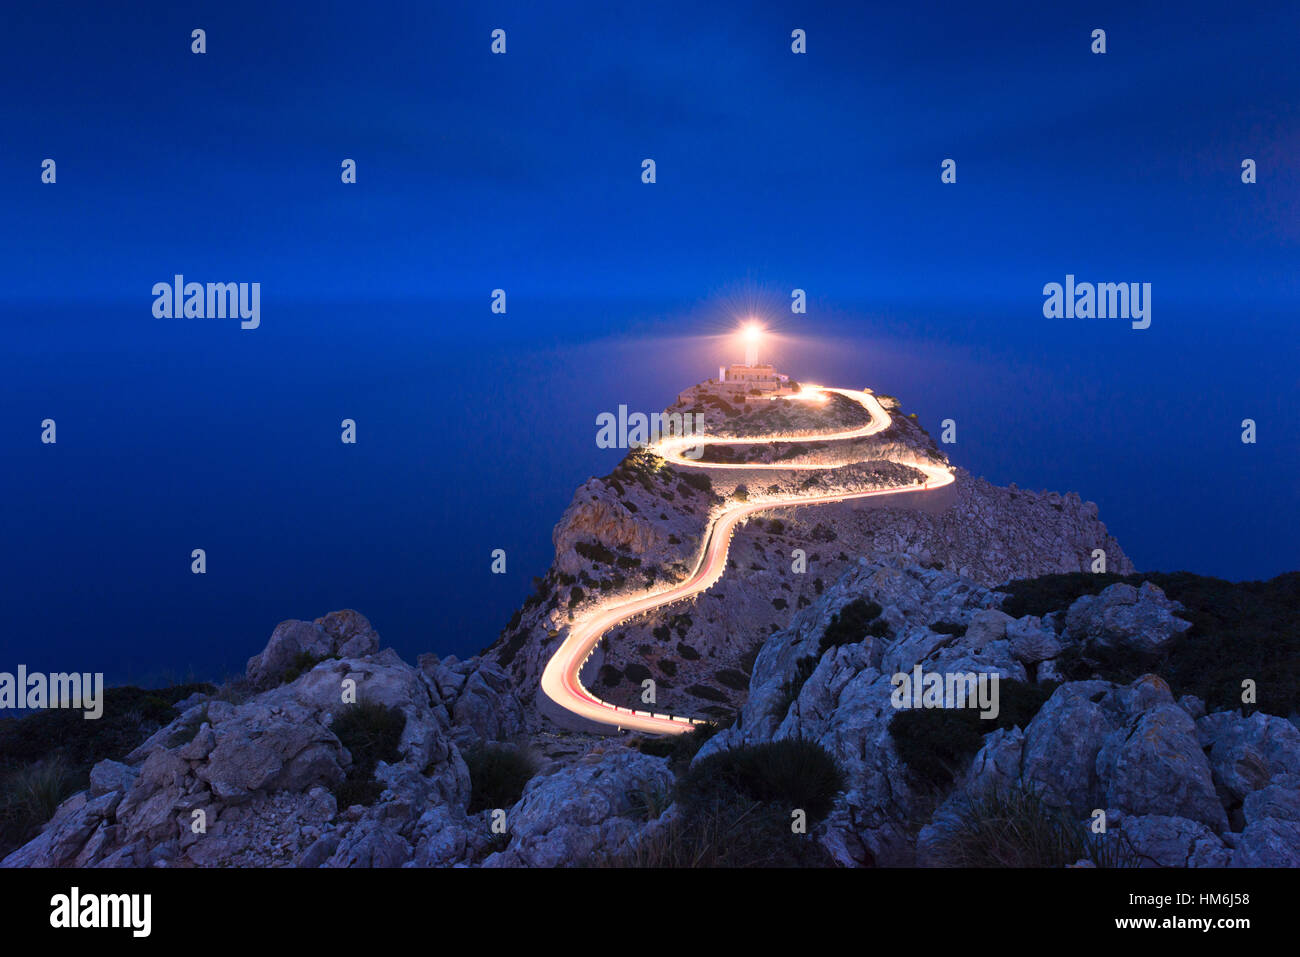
(745, 384)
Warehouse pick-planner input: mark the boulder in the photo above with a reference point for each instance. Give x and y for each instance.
(479, 699)
(292, 641)
(377, 845)
(1271, 842)
(1247, 753)
(444, 839)
(583, 811)
(345, 634)
(1062, 743)
(271, 747)
(1153, 765)
(109, 776)
(1164, 841)
(1135, 619)
(1279, 799)
(66, 832)
(1031, 640)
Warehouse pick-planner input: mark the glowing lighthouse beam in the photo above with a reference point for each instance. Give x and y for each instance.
(751, 334)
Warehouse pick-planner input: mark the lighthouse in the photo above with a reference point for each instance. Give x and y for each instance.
(744, 385)
(753, 332)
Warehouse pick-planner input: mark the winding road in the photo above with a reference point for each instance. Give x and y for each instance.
(560, 679)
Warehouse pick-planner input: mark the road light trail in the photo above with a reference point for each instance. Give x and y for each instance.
(560, 679)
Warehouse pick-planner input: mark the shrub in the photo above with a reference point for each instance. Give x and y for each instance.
(1015, 828)
(803, 669)
(732, 678)
(936, 743)
(948, 628)
(636, 671)
(302, 662)
(698, 480)
(749, 657)
(648, 801)
(662, 747)
(679, 749)
(789, 774)
(686, 746)
(30, 795)
(510, 647)
(497, 775)
(707, 693)
(130, 715)
(1018, 702)
(852, 623)
(1048, 593)
(371, 733)
(735, 806)
(595, 552)
(731, 832)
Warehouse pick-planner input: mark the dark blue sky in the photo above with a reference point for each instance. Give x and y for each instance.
(522, 171)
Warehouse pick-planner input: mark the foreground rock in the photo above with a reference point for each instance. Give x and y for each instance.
(478, 699)
(300, 644)
(1183, 788)
(585, 812)
(254, 782)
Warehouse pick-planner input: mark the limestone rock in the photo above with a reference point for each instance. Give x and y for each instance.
(1153, 765)
(1247, 753)
(1165, 841)
(1136, 619)
(1271, 842)
(581, 811)
(344, 633)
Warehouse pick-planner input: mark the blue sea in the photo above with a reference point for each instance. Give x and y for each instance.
(474, 430)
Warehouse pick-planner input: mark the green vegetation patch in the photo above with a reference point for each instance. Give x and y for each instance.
(732, 678)
(371, 733)
(498, 774)
(936, 743)
(853, 623)
(595, 552)
(790, 774)
(1015, 828)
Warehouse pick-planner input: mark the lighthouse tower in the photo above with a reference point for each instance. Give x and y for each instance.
(752, 335)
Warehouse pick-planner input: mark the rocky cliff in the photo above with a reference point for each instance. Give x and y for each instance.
(642, 524)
